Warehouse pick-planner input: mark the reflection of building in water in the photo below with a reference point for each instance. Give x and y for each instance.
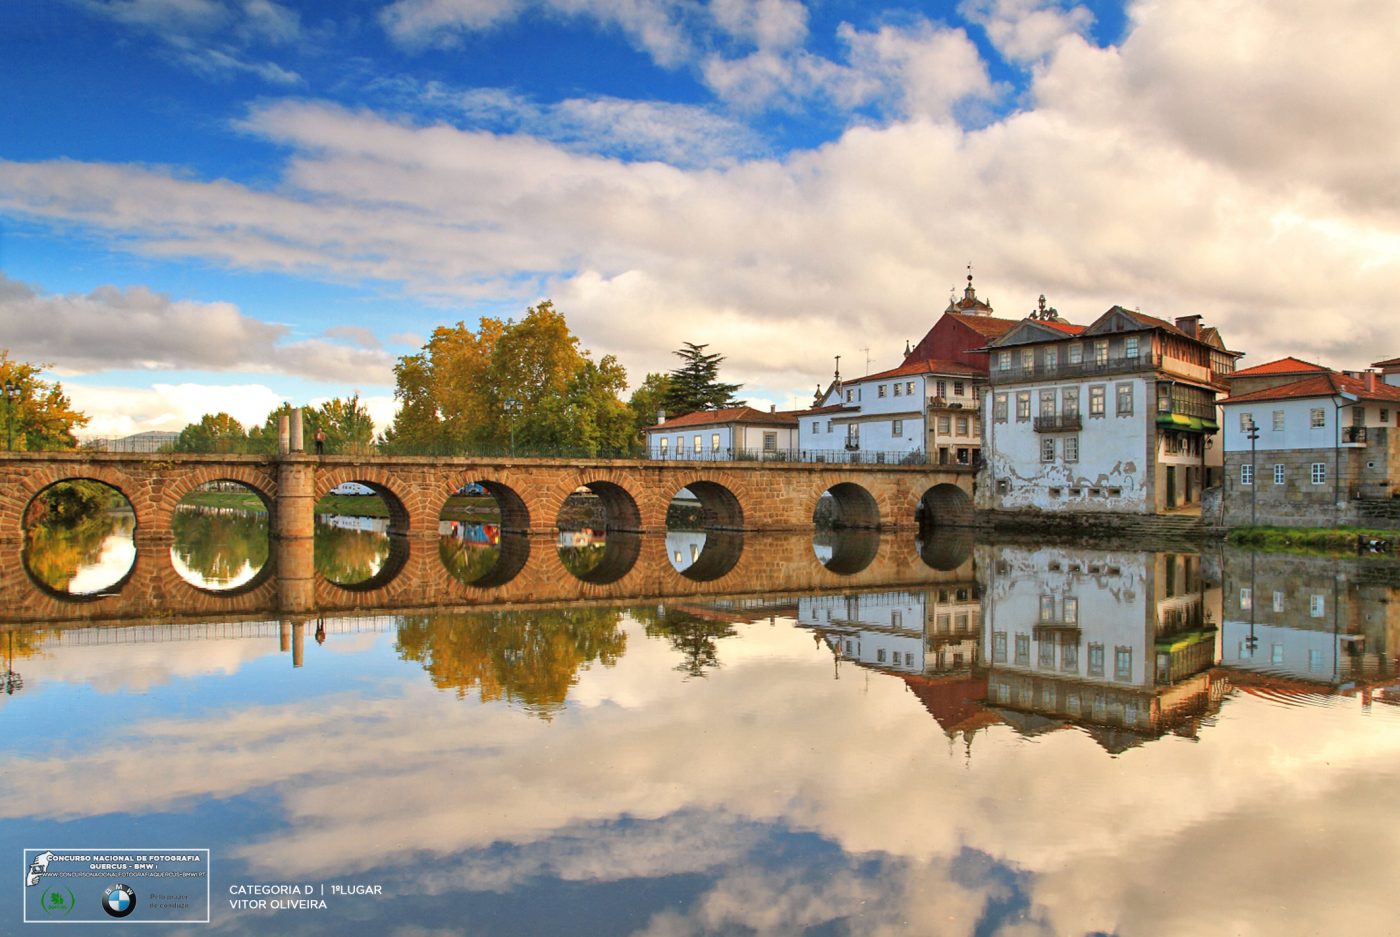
(378, 525)
(1324, 621)
(933, 631)
(582, 538)
(1112, 641)
(684, 547)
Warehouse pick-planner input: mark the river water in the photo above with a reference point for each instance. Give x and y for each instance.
(948, 737)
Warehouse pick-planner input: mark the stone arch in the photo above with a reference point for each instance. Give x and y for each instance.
(943, 505)
(255, 478)
(23, 487)
(720, 507)
(515, 511)
(854, 504)
(622, 509)
(383, 482)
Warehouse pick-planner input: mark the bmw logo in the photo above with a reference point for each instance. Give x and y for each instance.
(119, 900)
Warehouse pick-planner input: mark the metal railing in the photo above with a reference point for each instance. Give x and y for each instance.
(846, 456)
(1354, 434)
(1062, 423)
(1091, 366)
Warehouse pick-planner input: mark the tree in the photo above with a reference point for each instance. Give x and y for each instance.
(39, 416)
(349, 428)
(525, 384)
(215, 432)
(695, 385)
(645, 403)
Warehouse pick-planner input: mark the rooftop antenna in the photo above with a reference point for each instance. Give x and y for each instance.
(866, 349)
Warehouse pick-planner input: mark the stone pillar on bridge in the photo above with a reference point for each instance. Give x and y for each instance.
(293, 535)
(295, 438)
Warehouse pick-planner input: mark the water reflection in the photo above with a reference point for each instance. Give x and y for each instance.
(696, 765)
(704, 555)
(598, 557)
(846, 551)
(356, 551)
(218, 548)
(481, 554)
(86, 556)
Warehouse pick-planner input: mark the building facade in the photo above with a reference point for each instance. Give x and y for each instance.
(724, 435)
(1317, 452)
(1116, 416)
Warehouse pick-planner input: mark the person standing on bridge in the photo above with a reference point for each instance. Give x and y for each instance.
(320, 441)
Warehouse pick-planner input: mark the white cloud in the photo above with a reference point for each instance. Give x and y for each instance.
(137, 328)
(1026, 30)
(765, 23)
(122, 411)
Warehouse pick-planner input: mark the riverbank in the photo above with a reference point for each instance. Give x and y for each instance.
(1315, 541)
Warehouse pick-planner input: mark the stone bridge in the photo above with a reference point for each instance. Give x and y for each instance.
(530, 492)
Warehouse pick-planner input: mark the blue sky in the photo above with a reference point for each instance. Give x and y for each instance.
(219, 204)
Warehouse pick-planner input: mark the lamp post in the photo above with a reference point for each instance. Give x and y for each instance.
(1252, 431)
(11, 392)
(512, 409)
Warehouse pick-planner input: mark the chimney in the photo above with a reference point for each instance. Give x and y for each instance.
(772, 408)
(1370, 381)
(1191, 325)
(660, 416)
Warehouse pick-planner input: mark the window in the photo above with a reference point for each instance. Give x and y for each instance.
(1096, 400)
(880, 656)
(1076, 353)
(1071, 448)
(909, 388)
(699, 446)
(1122, 663)
(962, 425)
(1278, 473)
(665, 447)
(1027, 359)
(1246, 474)
(1385, 416)
(1047, 449)
(1276, 654)
(770, 442)
(1314, 660)
(958, 388)
(1023, 650)
(1069, 401)
(999, 408)
(680, 446)
(1319, 473)
(1069, 658)
(1278, 601)
(1047, 655)
(1317, 605)
(1047, 608)
(1246, 598)
(1003, 364)
(897, 427)
(1047, 402)
(898, 389)
(828, 426)
(1096, 660)
(1318, 417)
(1246, 421)
(880, 391)
(853, 434)
(1125, 399)
(1071, 610)
(714, 441)
(1052, 358)
(1130, 347)
(1278, 421)
(943, 385)
(1101, 351)
(945, 425)
(999, 647)
(1023, 405)
(816, 426)
(850, 396)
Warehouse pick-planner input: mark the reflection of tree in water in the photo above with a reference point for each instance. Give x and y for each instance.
(57, 548)
(526, 657)
(695, 637)
(584, 559)
(466, 562)
(218, 544)
(349, 556)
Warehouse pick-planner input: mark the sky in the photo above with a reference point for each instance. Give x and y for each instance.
(222, 204)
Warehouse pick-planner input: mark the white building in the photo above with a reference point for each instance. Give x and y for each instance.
(1117, 416)
(920, 411)
(1320, 451)
(724, 435)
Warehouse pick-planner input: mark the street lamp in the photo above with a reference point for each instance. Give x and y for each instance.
(512, 409)
(1252, 432)
(11, 392)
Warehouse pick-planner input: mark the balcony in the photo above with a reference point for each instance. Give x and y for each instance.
(942, 403)
(1063, 423)
(1353, 435)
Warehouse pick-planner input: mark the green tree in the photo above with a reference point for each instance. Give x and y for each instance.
(695, 385)
(523, 383)
(39, 416)
(645, 403)
(215, 432)
(349, 428)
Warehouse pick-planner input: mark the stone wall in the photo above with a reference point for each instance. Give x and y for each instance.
(1355, 492)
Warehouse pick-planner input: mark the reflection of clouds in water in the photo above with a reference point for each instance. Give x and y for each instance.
(113, 563)
(774, 739)
(195, 578)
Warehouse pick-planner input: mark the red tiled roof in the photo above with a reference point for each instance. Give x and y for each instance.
(1327, 384)
(922, 366)
(1059, 326)
(1281, 366)
(986, 326)
(730, 415)
(1388, 363)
